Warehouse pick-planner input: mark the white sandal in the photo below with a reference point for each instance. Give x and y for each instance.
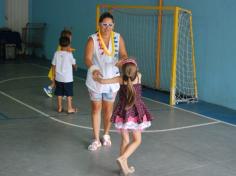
(106, 140)
(94, 145)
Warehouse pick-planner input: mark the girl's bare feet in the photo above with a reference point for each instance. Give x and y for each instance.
(123, 165)
(131, 169)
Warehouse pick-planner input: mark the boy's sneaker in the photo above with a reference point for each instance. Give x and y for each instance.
(48, 91)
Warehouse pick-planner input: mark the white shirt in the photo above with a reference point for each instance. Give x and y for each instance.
(106, 65)
(63, 60)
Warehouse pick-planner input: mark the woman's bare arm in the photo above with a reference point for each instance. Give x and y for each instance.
(88, 56)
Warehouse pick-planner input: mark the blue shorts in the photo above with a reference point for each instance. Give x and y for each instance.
(102, 96)
(64, 89)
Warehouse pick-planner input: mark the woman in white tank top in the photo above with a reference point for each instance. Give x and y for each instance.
(103, 51)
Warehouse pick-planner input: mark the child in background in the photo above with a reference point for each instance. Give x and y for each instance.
(62, 70)
(130, 113)
(49, 89)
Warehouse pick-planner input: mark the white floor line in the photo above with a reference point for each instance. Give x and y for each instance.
(181, 128)
(21, 77)
(89, 128)
(204, 116)
(201, 115)
(195, 113)
(41, 112)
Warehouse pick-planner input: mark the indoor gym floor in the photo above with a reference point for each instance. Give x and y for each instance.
(35, 140)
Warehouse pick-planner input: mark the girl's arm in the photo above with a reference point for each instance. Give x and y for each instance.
(117, 79)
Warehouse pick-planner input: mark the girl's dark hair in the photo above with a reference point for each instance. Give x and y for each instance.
(129, 74)
(106, 15)
(64, 41)
(66, 33)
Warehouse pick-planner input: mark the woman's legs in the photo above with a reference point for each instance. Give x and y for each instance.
(96, 113)
(101, 102)
(107, 107)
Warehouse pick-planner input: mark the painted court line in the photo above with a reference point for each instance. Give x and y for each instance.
(84, 127)
(21, 77)
(3, 116)
(40, 112)
(201, 115)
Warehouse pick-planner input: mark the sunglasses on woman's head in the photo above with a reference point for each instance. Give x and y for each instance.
(107, 24)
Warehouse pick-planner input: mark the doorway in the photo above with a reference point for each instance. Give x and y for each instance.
(16, 14)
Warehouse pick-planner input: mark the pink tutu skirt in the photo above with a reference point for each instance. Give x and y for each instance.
(131, 123)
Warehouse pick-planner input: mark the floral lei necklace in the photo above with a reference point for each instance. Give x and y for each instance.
(103, 46)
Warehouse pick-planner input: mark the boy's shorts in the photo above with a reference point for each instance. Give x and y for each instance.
(64, 89)
(102, 96)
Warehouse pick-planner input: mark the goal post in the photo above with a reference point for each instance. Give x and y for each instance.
(161, 38)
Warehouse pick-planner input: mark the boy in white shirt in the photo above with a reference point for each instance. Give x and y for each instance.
(62, 64)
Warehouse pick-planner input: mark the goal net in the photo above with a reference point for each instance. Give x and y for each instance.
(161, 39)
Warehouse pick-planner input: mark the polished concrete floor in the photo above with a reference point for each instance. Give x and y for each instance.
(35, 140)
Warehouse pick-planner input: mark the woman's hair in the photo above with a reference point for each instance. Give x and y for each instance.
(106, 15)
(129, 74)
(64, 41)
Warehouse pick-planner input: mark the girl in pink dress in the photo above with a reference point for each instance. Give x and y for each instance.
(130, 113)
